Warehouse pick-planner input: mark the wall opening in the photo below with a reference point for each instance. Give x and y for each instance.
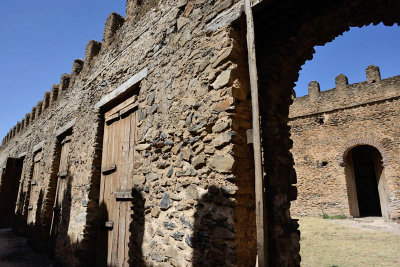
(286, 33)
(366, 182)
(9, 191)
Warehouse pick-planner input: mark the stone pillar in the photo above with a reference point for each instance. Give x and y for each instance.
(373, 74)
(313, 91)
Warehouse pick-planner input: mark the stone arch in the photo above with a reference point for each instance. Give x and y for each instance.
(341, 158)
(286, 34)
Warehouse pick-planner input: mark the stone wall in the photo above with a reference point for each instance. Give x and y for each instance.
(326, 125)
(193, 167)
(194, 194)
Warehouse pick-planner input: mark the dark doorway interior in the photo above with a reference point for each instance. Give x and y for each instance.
(366, 181)
(9, 191)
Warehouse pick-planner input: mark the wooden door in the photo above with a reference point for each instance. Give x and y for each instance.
(116, 179)
(381, 180)
(61, 186)
(35, 189)
(351, 187)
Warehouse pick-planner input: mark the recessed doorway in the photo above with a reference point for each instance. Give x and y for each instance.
(366, 182)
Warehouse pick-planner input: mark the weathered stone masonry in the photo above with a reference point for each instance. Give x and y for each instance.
(327, 125)
(192, 166)
(193, 196)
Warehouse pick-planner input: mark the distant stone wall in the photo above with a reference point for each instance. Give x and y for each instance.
(326, 125)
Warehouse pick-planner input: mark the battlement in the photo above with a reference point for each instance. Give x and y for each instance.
(346, 95)
(113, 23)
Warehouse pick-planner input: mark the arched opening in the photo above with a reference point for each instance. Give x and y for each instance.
(286, 33)
(366, 182)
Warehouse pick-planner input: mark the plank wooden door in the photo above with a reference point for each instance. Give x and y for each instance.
(34, 192)
(61, 186)
(116, 179)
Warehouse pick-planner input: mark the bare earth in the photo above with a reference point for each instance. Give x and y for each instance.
(359, 242)
(350, 242)
(14, 252)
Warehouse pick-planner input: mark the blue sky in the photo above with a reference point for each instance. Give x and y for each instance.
(40, 39)
(351, 54)
(38, 42)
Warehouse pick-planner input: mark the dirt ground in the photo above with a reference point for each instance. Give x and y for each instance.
(14, 252)
(332, 243)
(349, 242)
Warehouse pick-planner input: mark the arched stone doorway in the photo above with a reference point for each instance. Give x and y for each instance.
(366, 186)
(286, 33)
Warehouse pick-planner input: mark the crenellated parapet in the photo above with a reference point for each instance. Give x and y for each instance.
(64, 83)
(373, 74)
(77, 67)
(113, 23)
(92, 49)
(27, 119)
(346, 95)
(53, 94)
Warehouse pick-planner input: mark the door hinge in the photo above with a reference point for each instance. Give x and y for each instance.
(123, 196)
(109, 169)
(63, 174)
(109, 225)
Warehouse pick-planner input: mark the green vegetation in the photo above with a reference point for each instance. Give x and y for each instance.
(334, 217)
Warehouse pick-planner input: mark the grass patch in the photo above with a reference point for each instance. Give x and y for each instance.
(326, 244)
(334, 217)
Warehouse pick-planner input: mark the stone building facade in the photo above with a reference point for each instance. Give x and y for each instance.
(334, 133)
(139, 156)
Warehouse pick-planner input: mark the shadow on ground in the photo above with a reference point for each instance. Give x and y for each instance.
(15, 252)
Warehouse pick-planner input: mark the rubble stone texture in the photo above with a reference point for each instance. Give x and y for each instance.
(193, 201)
(326, 125)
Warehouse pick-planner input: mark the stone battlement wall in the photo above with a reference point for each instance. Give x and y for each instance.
(59, 91)
(192, 164)
(346, 95)
(326, 125)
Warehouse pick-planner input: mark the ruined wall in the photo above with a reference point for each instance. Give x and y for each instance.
(326, 125)
(193, 167)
